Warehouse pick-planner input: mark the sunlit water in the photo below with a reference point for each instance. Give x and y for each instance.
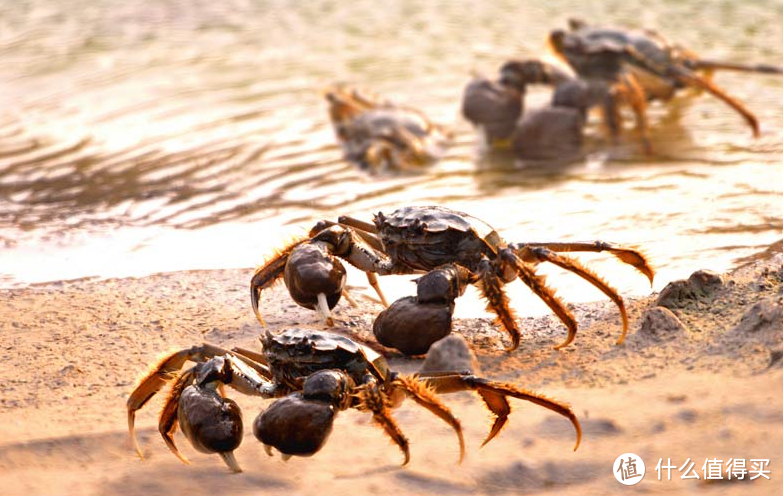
(148, 136)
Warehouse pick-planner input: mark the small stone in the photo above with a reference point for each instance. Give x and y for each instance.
(450, 354)
(661, 324)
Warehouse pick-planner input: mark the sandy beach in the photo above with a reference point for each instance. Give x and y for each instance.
(700, 380)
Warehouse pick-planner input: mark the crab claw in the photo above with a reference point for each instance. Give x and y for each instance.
(266, 275)
(295, 425)
(315, 278)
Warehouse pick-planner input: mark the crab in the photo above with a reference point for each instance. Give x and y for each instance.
(315, 375)
(420, 239)
(633, 67)
(377, 134)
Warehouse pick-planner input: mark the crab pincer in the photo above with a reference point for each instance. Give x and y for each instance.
(315, 279)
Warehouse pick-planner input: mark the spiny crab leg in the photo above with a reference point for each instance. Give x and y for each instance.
(167, 424)
(538, 285)
(267, 274)
(495, 396)
(491, 288)
(371, 399)
(572, 265)
(425, 396)
(694, 80)
(626, 255)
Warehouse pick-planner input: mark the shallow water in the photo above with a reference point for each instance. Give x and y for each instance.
(138, 137)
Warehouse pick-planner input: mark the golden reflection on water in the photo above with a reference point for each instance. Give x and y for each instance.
(167, 135)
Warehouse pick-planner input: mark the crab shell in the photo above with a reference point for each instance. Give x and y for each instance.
(295, 354)
(422, 238)
(649, 44)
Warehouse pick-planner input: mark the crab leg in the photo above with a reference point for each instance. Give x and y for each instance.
(538, 285)
(371, 399)
(710, 65)
(267, 274)
(495, 396)
(167, 423)
(632, 92)
(361, 225)
(692, 79)
(626, 255)
(542, 254)
(426, 397)
(490, 286)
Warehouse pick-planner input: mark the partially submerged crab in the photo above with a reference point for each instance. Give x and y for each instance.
(377, 134)
(633, 66)
(318, 374)
(417, 240)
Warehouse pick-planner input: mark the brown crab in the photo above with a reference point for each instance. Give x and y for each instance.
(317, 374)
(634, 66)
(377, 134)
(417, 240)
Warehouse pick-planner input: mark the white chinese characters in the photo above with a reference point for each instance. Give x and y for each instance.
(716, 469)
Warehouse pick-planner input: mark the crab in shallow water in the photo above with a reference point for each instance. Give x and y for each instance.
(317, 374)
(377, 134)
(634, 66)
(417, 240)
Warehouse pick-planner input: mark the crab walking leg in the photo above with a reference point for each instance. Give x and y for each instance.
(358, 224)
(626, 255)
(371, 399)
(167, 423)
(538, 285)
(372, 278)
(349, 298)
(712, 65)
(425, 397)
(267, 274)
(490, 287)
(633, 93)
(572, 265)
(692, 79)
(495, 396)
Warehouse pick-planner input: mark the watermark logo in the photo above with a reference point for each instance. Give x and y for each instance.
(628, 469)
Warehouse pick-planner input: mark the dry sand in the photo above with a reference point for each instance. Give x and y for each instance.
(693, 383)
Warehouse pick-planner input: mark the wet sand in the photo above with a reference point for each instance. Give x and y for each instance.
(706, 387)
